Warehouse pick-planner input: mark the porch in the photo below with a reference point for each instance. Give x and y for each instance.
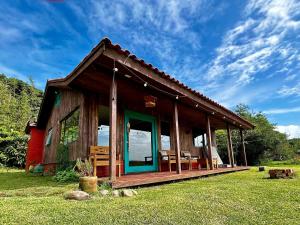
(143, 179)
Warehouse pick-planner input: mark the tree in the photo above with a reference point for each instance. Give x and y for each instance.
(19, 102)
(262, 143)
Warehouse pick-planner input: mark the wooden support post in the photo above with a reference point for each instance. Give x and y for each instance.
(208, 140)
(113, 130)
(229, 146)
(176, 137)
(243, 148)
(159, 142)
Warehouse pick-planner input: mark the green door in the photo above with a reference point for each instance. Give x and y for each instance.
(140, 141)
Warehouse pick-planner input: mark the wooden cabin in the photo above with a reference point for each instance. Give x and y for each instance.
(113, 99)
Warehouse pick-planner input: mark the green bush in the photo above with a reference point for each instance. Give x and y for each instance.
(13, 146)
(68, 175)
(62, 158)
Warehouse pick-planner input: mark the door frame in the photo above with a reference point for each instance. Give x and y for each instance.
(148, 118)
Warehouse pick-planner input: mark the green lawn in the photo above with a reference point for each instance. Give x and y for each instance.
(237, 198)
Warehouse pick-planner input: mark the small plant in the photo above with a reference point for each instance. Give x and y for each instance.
(105, 186)
(87, 182)
(84, 168)
(68, 175)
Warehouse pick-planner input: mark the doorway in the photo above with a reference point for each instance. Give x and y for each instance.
(140, 143)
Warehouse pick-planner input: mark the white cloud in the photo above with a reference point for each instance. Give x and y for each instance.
(165, 16)
(290, 90)
(282, 110)
(290, 77)
(292, 131)
(27, 44)
(252, 46)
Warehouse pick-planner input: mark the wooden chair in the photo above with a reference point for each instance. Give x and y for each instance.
(170, 156)
(192, 159)
(99, 156)
(215, 163)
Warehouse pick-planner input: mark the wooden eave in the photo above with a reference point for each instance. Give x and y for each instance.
(192, 97)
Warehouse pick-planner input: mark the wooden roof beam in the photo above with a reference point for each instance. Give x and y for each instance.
(209, 107)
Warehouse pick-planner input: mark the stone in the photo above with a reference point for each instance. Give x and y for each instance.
(115, 193)
(77, 195)
(127, 193)
(261, 168)
(104, 192)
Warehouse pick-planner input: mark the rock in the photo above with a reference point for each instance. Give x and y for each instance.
(104, 192)
(134, 192)
(2, 194)
(127, 193)
(77, 195)
(115, 193)
(261, 168)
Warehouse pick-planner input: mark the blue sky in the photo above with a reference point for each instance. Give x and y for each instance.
(232, 51)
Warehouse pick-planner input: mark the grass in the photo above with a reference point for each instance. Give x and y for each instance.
(237, 198)
(283, 163)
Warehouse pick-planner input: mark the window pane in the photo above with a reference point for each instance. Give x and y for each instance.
(103, 126)
(62, 132)
(70, 128)
(140, 143)
(103, 135)
(57, 99)
(49, 137)
(197, 138)
(165, 136)
(165, 142)
(198, 141)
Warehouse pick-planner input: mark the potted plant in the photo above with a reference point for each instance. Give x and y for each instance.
(87, 181)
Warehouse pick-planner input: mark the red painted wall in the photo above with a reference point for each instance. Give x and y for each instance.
(35, 148)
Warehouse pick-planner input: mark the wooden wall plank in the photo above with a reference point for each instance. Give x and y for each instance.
(70, 100)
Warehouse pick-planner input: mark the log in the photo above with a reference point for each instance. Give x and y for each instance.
(281, 173)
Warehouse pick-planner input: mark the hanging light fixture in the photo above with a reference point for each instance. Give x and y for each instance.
(150, 101)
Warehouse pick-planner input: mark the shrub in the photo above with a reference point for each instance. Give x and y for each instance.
(62, 158)
(105, 186)
(68, 175)
(13, 146)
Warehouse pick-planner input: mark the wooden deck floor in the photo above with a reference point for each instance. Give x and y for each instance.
(134, 180)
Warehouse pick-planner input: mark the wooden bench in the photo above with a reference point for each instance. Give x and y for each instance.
(99, 156)
(170, 157)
